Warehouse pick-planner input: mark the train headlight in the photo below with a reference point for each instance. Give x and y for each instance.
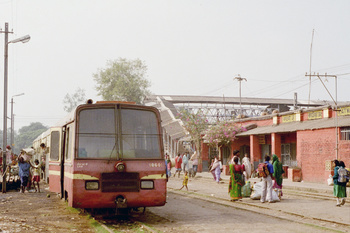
(147, 184)
(92, 185)
(119, 167)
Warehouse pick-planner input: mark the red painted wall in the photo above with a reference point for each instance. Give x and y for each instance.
(314, 148)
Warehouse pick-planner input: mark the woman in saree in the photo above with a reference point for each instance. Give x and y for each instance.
(277, 174)
(236, 180)
(247, 167)
(216, 169)
(339, 188)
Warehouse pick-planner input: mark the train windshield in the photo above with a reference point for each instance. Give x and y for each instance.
(108, 133)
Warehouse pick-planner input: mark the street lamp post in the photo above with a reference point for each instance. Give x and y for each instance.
(23, 39)
(240, 94)
(13, 122)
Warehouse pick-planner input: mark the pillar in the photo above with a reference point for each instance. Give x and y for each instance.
(255, 152)
(276, 145)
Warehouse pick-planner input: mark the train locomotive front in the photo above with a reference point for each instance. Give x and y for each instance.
(110, 155)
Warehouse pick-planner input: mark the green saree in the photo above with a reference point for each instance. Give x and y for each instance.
(235, 185)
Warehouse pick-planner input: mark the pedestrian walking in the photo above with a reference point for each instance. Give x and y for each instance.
(216, 168)
(236, 153)
(277, 174)
(36, 175)
(185, 181)
(24, 168)
(43, 159)
(247, 166)
(236, 180)
(178, 162)
(340, 179)
(194, 159)
(218, 172)
(9, 155)
(266, 193)
(185, 159)
(210, 169)
(168, 164)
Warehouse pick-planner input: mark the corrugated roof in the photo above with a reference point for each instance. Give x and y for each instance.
(167, 110)
(175, 130)
(236, 100)
(299, 126)
(165, 116)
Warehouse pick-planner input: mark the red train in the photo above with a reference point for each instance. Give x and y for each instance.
(107, 155)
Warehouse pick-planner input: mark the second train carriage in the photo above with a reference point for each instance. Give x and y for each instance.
(108, 155)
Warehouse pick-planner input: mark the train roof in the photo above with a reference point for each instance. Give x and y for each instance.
(70, 117)
(43, 135)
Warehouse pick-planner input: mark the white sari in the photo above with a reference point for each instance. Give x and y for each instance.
(248, 168)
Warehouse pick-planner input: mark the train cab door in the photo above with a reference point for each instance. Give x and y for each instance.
(54, 159)
(62, 159)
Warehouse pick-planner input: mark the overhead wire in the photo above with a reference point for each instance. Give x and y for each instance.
(342, 74)
(297, 88)
(222, 86)
(293, 80)
(274, 86)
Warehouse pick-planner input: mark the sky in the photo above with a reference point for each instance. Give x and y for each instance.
(190, 47)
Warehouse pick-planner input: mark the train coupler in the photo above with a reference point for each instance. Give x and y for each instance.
(121, 202)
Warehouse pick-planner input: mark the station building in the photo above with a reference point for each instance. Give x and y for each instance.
(305, 140)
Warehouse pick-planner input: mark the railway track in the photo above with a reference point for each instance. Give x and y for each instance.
(292, 192)
(127, 221)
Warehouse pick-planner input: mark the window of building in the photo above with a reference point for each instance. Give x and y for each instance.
(345, 133)
(213, 151)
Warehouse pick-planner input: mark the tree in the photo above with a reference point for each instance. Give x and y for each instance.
(72, 101)
(223, 134)
(123, 80)
(27, 134)
(195, 124)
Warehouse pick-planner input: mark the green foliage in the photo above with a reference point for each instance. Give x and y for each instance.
(223, 133)
(123, 80)
(72, 101)
(27, 134)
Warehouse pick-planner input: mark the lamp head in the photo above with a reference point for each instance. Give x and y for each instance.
(23, 39)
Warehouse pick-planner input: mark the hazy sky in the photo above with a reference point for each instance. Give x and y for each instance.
(190, 48)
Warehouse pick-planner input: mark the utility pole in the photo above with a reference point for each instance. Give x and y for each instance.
(23, 39)
(240, 95)
(4, 144)
(335, 102)
(312, 40)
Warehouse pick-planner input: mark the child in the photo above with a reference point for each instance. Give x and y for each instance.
(36, 175)
(23, 172)
(185, 181)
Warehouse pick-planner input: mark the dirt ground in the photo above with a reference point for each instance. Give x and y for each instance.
(39, 212)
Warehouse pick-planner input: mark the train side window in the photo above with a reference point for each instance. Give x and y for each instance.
(55, 145)
(68, 150)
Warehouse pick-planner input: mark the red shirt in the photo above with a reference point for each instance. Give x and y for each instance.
(178, 162)
(239, 168)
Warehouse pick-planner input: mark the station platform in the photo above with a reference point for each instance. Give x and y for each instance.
(300, 200)
(288, 184)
